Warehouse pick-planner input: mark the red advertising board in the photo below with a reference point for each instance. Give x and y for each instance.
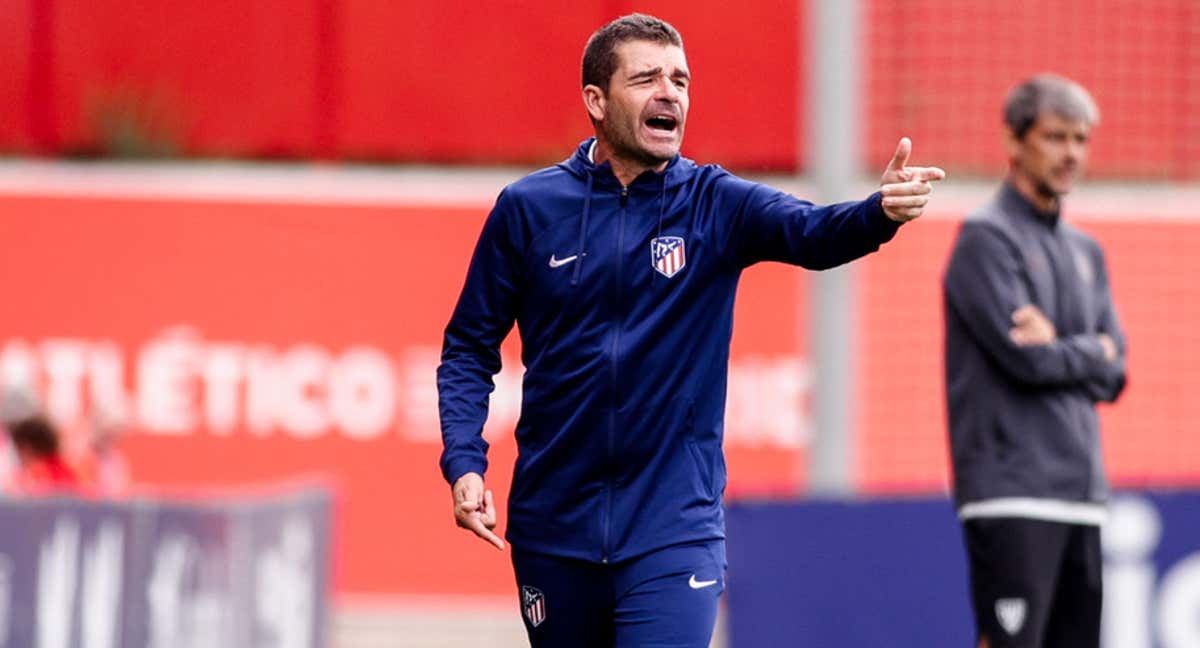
(254, 341)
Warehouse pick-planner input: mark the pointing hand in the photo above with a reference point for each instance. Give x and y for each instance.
(906, 189)
(474, 509)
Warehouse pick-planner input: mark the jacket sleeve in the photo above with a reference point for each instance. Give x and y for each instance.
(1109, 384)
(983, 287)
(471, 348)
(770, 225)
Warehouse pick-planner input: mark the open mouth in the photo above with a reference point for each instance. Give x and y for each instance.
(662, 123)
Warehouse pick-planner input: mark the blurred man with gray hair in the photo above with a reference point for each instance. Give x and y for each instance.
(1032, 344)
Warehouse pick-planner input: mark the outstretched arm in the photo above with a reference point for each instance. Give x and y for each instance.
(771, 225)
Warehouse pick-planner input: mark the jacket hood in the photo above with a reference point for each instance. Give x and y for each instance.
(679, 170)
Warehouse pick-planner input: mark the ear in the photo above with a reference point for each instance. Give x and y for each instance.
(595, 102)
(1012, 144)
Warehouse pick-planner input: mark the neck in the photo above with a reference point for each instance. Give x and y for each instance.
(624, 168)
(1028, 188)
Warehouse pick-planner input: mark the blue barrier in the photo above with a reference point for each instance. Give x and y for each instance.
(157, 574)
(893, 573)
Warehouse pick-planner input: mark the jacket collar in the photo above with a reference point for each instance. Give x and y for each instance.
(1014, 201)
(677, 171)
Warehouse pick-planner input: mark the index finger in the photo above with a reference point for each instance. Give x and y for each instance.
(475, 525)
(927, 173)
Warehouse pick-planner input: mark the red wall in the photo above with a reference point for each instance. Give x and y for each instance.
(938, 72)
(218, 78)
(463, 81)
(16, 31)
(498, 81)
(370, 80)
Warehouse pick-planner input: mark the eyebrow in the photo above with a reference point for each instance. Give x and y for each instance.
(653, 72)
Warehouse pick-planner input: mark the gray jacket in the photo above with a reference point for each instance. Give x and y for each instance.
(1023, 424)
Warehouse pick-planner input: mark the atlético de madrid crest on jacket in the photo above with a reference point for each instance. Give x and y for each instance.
(533, 604)
(667, 255)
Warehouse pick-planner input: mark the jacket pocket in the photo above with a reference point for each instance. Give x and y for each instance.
(1002, 442)
(698, 459)
(703, 463)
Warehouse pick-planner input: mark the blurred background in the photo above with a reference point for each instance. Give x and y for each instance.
(231, 233)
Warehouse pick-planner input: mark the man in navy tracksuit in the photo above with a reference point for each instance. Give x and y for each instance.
(1032, 343)
(620, 266)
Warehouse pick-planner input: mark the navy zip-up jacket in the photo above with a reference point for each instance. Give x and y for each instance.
(623, 297)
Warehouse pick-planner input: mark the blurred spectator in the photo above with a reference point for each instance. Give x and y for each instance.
(88, 451)
(103, 468)
(17, 402)
(8, 464)
(41, 469)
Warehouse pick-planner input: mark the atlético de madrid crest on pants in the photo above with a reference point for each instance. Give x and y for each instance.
(533, 604)
(667, 255)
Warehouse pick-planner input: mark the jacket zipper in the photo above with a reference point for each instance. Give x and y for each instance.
(616, 346)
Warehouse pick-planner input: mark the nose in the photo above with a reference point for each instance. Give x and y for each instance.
(666, 90)
(1076, 149)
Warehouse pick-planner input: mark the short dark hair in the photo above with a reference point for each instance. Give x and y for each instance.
(35, 434)
(600, 54)
(1047, 93)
